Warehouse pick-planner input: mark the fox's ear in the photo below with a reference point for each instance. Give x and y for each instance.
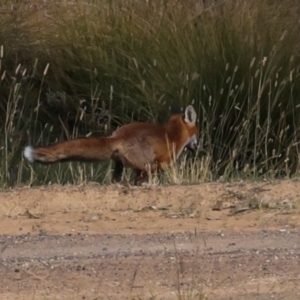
(190, 115)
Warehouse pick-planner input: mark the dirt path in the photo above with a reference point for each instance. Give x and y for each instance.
(176, 242)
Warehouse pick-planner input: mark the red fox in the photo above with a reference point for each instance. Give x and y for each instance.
(143, 147)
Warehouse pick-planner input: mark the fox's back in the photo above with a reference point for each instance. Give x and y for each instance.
(141, 132)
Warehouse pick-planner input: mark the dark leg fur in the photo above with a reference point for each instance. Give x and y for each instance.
(118, 171)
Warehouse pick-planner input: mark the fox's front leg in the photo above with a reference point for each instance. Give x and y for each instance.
(141, 177)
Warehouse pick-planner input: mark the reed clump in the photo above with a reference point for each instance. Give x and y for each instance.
(71, 69)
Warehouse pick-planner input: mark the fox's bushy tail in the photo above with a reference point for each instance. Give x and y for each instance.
(82, 149)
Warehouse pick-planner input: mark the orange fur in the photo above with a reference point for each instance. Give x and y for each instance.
(136, 145)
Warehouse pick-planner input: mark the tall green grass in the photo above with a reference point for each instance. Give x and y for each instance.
(74, 69)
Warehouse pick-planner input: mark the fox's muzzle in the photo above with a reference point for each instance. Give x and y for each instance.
(193, 145)
(193, 148)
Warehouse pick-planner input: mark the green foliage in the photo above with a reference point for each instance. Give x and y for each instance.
(237, 61)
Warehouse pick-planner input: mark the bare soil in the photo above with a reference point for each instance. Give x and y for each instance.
(176, 242)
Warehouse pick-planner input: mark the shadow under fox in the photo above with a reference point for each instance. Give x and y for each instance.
(141, 146)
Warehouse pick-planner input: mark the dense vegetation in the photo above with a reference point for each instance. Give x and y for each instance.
(75, 69)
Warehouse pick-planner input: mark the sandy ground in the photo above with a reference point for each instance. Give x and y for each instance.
(178, 242)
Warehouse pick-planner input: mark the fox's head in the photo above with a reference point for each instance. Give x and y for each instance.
(182, 130)
(190, 119)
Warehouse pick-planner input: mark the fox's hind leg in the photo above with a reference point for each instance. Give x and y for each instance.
(118, 170)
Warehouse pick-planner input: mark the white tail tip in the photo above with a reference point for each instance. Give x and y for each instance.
(28, 153)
